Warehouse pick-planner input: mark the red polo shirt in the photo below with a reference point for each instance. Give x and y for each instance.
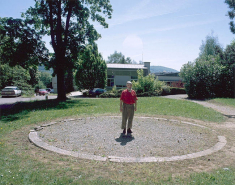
(128, 97)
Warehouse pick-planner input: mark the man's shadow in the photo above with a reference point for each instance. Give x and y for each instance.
(124, 139)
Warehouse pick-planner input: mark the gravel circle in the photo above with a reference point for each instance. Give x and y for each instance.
(151, 137)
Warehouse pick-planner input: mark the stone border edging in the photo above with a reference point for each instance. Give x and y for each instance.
(34, 138)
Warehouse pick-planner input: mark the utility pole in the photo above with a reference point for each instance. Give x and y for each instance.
(142, 57)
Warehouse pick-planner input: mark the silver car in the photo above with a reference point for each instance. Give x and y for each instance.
(11, 91)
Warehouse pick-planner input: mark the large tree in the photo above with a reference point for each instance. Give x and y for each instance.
(231, 14)
(67, 22)
(119, 58)
(211, 47)
(91, 69)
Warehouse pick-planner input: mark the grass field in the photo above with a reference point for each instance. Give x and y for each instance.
(225, 101)
(23, 163)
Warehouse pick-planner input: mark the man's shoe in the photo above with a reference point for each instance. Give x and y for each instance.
(124, 131)
(129, 131)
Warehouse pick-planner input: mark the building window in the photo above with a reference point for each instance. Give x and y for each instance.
(134, 78)
(110, 81)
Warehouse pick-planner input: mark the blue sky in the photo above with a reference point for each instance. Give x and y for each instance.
(164, 32)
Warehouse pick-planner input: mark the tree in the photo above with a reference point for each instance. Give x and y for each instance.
(34, 76)
(118, 58)
(231, 13)
(211, 47)
(229, 53)
(20, 44)
(67, 22)
(91, 70)
(46, 78)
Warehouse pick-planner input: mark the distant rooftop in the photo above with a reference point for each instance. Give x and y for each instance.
(126, 66)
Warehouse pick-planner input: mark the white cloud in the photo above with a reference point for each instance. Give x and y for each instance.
(132, 42)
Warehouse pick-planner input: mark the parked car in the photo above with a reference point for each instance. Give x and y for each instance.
(11, 91)
(96, 92)
(42, 92)
(50, 90)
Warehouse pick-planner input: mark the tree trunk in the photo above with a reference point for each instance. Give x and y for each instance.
(60, 80)
(69, 81)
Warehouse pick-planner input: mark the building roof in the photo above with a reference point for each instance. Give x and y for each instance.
(126, 66)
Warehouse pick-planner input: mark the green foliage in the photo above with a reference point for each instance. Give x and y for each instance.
(15, 76)
(34, 76)
(114, 89)
(119, 58)
(91, 70)
(211, 75)
(6, 75)
(173, 91)
(203, 78)
(147, 84)
(230, 54)
(40, 85)
(231, 14)
(21, 44)
(46, 78)
(211, 47)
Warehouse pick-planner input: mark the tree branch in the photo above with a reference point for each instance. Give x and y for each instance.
(67, 22)
(59, 27)
(51, 27)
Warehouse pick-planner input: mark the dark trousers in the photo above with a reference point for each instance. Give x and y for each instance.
(127, 114)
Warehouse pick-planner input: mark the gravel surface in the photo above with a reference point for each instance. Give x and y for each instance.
(151, 137)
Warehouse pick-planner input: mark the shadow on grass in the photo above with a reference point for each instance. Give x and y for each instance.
(21, 109)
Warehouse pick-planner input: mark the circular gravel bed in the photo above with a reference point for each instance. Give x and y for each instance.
(151, 137)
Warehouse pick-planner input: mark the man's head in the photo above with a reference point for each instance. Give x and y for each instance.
(129, 85)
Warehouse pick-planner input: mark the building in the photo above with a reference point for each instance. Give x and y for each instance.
(171, 79)
(54, 83)
(119, 74)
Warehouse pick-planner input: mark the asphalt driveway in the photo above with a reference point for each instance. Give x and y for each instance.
(10, 101)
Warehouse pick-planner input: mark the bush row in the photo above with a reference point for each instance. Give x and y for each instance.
(170, 91)
(173, 91)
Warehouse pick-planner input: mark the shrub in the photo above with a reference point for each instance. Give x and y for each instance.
(114, 89)
(147, 83)
(203, 78)
(173, 91)
(110, 95)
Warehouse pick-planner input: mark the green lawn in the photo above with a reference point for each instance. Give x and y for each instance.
(225, 101)
(19, 166)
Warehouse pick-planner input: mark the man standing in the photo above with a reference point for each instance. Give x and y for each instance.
(128, 104)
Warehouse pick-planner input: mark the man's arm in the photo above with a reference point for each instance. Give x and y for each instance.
(121, 107)
(135, 105)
